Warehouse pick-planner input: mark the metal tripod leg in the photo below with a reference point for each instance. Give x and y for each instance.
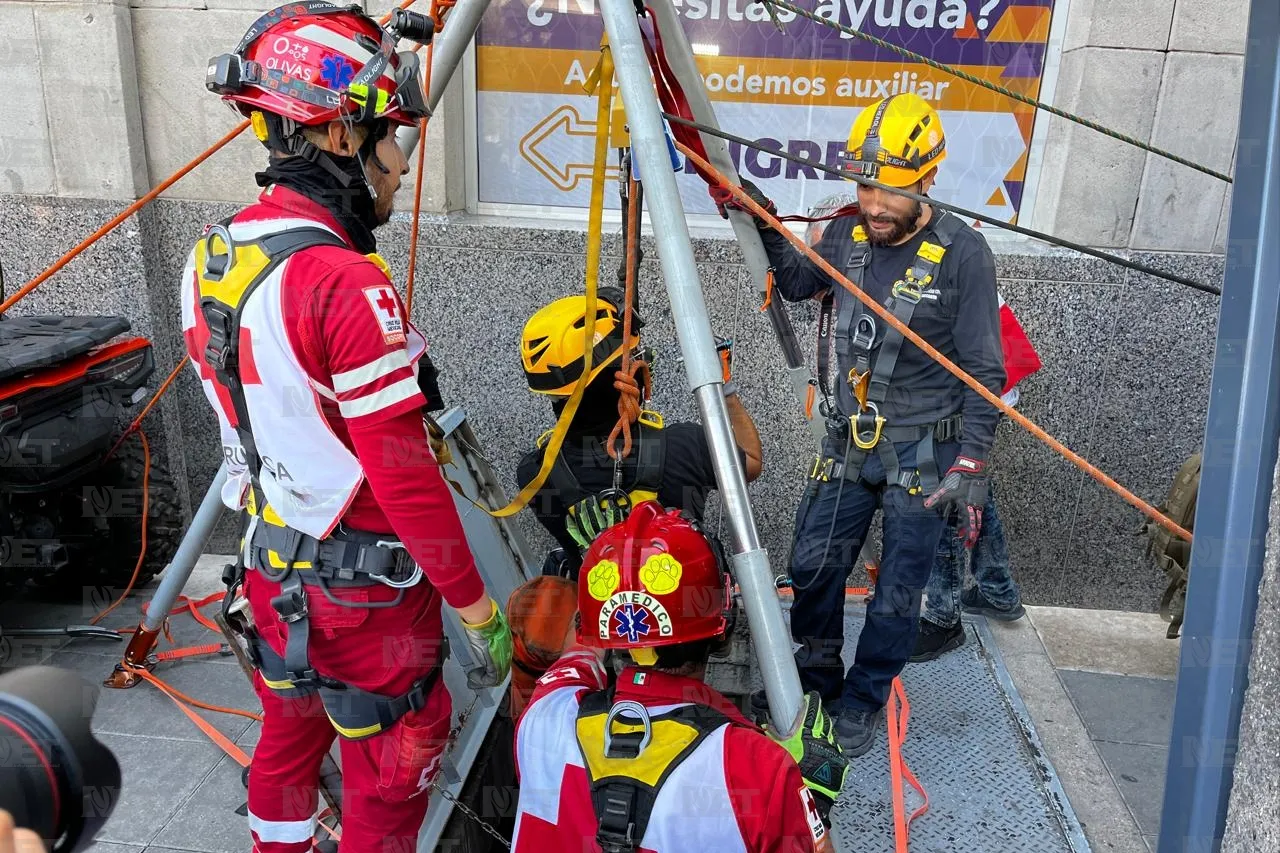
(693, 325)
(679, 54)
(174, 578)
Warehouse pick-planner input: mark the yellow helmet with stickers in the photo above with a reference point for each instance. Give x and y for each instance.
(896, 141)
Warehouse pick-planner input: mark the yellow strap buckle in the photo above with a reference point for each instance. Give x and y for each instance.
(821, 469)
(909, 289)
(867, 438)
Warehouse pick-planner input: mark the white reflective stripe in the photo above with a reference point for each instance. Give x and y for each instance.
(282, 831)
(330, 39)
(323, 391)
(379, 400)
(351, 379)
(254, 229)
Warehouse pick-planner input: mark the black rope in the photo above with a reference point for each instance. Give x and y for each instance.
(990, 220)
(987, 84)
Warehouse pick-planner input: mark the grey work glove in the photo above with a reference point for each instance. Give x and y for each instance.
(963, 491)
(490, 644)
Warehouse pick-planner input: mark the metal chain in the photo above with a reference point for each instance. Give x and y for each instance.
(444, 792)
(466, 810)
(987, 84)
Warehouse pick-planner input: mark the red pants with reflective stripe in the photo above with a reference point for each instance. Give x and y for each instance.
(384, 777)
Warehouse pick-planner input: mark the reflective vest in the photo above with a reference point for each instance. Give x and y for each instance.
(274, 433)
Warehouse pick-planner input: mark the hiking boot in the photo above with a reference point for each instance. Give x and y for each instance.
(856, 730)
(973, 601)
(760, 707)
(933, 641)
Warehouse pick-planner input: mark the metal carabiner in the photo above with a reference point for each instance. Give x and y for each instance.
(414, 576)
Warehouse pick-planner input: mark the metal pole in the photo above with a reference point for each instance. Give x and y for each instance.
(693, 327)
(189, 550)
(1241, 439)
(450, 46)
(680, 56)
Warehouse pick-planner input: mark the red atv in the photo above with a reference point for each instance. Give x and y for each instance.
(70, 517)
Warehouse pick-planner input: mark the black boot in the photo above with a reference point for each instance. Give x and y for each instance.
(856, 730)
(933, 641)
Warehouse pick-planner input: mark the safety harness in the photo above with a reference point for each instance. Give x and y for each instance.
(228, 272)
(871, 373)
(589, 513)
(628, 762)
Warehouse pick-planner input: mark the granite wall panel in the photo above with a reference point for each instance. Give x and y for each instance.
(1126, 367)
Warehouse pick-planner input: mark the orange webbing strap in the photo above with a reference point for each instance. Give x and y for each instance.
(809, 397)
(189, 652)
(625, 379)
(929, 350)
(899, 714)
(133, 208)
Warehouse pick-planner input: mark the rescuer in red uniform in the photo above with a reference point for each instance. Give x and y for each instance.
(304, 349)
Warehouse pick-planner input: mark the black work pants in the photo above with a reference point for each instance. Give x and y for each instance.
(831, 525)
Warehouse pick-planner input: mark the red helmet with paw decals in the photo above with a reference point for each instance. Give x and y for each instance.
(652, 580)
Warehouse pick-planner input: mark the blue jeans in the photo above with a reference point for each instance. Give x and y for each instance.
(990, 565)
(831, 524)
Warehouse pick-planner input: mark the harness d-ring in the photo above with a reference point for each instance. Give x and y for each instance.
(216, 265)
(860, 435)
(637, 710)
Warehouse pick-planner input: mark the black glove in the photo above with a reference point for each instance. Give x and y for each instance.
(822, 762)
(963, 491)
(724, 199)
(429, 384)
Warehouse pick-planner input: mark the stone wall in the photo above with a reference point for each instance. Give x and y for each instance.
(1126, 371)
(1167, 72)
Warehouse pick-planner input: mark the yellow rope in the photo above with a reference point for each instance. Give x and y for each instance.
(601, 80)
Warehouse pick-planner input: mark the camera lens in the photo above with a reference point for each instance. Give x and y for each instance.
(56, 778)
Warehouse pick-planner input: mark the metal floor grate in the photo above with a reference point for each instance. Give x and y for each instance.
(972, 746)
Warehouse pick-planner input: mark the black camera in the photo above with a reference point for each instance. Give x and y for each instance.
(56, 778)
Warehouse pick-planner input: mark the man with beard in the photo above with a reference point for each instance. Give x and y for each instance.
(904, 435)
(352, 540)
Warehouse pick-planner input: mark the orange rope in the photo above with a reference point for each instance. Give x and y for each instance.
(439, 8)
(155, 398)
(189, 652)
(120, 217)
(768, 289)
(625, 378)
(835, 275)
(142, 202)
(142, 553)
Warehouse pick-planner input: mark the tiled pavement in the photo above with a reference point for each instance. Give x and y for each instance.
(1097, 685)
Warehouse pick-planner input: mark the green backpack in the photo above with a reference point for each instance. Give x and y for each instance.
(1171, 553)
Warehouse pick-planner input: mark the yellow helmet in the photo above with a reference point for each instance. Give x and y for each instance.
(551, 346)
(896, 141)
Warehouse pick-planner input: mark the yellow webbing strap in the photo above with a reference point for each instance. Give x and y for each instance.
(603, 77)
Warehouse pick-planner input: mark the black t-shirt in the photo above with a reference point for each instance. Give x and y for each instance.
(687, 476)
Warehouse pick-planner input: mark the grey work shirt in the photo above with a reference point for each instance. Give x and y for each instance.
(963, 323)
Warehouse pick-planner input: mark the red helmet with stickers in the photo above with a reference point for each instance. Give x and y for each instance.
(652, 580)
(312, 62)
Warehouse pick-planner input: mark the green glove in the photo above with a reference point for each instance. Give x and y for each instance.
(490, 643)
(815, 749)
(593, 515)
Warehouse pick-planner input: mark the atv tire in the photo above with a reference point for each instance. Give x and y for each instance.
(111, 501)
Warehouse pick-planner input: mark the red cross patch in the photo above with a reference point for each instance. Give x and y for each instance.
(816, 827)
(386, 310)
